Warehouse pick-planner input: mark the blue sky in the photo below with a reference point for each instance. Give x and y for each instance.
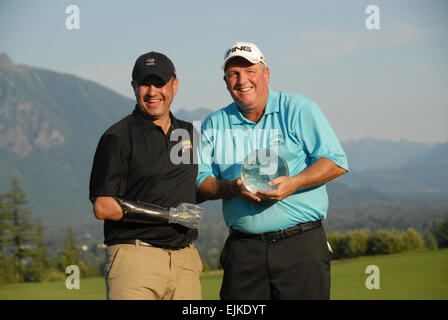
(388, 84)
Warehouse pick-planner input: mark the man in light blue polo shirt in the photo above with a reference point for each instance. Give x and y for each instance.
(277, 247)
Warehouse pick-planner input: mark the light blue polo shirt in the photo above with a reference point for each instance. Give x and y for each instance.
(292, 125)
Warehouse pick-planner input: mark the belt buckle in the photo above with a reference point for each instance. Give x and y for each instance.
(267, 240)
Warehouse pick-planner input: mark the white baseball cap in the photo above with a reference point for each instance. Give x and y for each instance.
(246, 50)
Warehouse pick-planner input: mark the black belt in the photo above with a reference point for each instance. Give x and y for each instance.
(278, 235)
(134, 241)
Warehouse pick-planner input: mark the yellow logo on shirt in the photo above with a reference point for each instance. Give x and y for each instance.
(186, 145)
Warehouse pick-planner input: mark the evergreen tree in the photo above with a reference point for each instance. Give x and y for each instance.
(70, 254)
(3, 227)
(18, 219)
(41, 264)
(430, 241)
(5, 261)
(442, 234)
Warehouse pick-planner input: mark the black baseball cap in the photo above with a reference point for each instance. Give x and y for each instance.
(153, 63)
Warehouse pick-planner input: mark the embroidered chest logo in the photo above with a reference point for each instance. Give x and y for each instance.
(186, 145)
(277, 139)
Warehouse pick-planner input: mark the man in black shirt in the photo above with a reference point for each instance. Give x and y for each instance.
(143, 186)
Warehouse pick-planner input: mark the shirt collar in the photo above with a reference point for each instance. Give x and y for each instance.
(272, 106)
(147, 120)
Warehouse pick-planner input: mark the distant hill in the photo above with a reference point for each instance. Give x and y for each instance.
(50, 124)
(193, 115)
(436, 156)
(381, 154)
(424, 175)
(418, 182)
(342, 195)
(49, 127)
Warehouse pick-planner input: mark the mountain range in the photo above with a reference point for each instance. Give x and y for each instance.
(50, 124)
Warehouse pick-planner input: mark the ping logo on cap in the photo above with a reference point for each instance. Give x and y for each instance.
(241, 48)
(246, 50)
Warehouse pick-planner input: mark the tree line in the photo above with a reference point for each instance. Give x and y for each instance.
(362, 242)
(23, 254)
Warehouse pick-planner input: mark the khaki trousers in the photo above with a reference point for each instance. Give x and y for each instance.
(141, 271)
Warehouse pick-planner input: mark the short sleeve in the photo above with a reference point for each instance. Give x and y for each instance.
(319, 139)
(109, 169)
(205, 154)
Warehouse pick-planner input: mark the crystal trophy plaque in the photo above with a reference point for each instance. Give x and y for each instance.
(260, 167)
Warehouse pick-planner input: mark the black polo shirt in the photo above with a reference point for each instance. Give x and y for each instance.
(132, 161)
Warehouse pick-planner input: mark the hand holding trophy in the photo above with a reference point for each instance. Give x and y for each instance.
(260, 167)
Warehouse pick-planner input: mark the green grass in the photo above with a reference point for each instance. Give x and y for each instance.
(211, 283)
(90, 289)
(411, 275)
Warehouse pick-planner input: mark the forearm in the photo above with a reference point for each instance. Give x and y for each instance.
(107, 208)
(213, 189)
(322, 171)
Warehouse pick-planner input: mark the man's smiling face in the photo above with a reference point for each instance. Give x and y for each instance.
(247, 83)
(154, 96)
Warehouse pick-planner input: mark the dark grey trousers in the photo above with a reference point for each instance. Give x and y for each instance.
(294, 268)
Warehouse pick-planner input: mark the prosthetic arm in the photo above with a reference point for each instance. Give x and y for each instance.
(186, 214)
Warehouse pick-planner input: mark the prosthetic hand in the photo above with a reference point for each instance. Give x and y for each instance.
(186, 214)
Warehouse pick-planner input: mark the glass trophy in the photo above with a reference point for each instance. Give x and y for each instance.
(260, 167)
